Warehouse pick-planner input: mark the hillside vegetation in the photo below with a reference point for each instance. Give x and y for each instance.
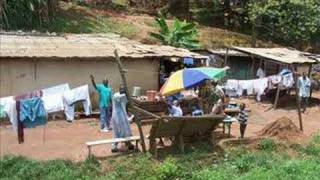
(270, 159)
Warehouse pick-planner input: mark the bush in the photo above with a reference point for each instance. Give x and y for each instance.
(267, 145)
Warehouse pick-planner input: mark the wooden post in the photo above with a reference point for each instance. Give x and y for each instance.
(124, 81)
(277, 95)
(252, 66)
(226, 57)
(309, 75)
(297, 98)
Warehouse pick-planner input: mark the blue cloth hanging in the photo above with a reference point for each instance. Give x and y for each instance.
(32, 112)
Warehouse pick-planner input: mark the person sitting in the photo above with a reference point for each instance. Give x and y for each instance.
(196, 111)
(175, 109)
(120, 121)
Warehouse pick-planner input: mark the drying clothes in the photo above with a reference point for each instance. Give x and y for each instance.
(58, 89)
(232, 88)
(2, 112)
(79, 94)
(261, 73)
(37, 93)
(18, 99)
(304, 85)
(287, 80)
(9, 108)
(32, 112)
(260, 85)
(275, 79)
(246, 85)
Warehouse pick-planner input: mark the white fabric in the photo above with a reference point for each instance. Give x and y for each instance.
(232, 88)
(52, 97)
(59, 89)
(9, 105)
(75, 95)
(53, 103)
(176, 111)
(287, 80)
(246, 85)
(259, 87)
(304, 87)
(261, 73)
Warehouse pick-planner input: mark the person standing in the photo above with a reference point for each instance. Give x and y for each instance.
(105, 94)
(260, 72)
(120, 120)
(304, 85)
(243, 119)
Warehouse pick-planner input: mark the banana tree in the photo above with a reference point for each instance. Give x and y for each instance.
(180, 34)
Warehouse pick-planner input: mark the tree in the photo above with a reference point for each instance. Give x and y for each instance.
(287, 21)
(16, 14)
(180, 34)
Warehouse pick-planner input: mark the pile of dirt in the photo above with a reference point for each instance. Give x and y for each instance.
(282, 128)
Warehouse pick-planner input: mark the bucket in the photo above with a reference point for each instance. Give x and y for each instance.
(151, 95)
(136, 91)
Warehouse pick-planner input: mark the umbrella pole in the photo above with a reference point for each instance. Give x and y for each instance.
(124, 81)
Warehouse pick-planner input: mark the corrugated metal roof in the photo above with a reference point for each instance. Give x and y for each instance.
(283, 55)
(231, 52)
(84, 46)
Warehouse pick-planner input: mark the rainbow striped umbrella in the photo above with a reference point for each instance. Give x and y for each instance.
(189, 78)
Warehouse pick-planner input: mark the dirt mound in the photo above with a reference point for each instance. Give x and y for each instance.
(282, 128)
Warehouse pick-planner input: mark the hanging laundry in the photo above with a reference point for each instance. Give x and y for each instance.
(9, 107)
(79, 94)
(52, 98)
(246, 85)
(287, 80)
(232, 88)
(58, 89)
(2, 112)
(32, 113)
(18, 99)
(260, 85)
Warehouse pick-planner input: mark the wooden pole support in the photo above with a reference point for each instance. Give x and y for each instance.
(226, 57)
(124, 81)
(297, 98)
(277, 97)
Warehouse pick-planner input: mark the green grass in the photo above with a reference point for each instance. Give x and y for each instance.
(77, 19)
(198, 163)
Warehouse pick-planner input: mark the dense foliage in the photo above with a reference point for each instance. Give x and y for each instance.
(288, 21)
(25, 14)
(266, 162)
(180, 34)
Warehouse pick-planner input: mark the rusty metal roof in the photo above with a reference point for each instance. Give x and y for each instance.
(283, 55)
(84, 46)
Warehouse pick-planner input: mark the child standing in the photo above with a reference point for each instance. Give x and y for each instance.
(242, 119)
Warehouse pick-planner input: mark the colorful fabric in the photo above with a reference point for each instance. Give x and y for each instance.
(32, 112)
(189, 78)
(105, 95)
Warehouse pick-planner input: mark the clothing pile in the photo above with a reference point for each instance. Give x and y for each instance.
(236, 88)
(31, 109)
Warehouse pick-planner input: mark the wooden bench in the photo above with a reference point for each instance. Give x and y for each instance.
(182, 126)
(110, 141)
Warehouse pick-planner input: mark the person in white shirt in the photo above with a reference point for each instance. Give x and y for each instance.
(304, 85)
(175, 110)
(260, 73)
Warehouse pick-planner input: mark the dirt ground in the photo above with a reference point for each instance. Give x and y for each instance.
(63, 140)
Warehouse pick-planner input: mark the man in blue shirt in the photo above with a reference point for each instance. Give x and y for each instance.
(105, 94)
